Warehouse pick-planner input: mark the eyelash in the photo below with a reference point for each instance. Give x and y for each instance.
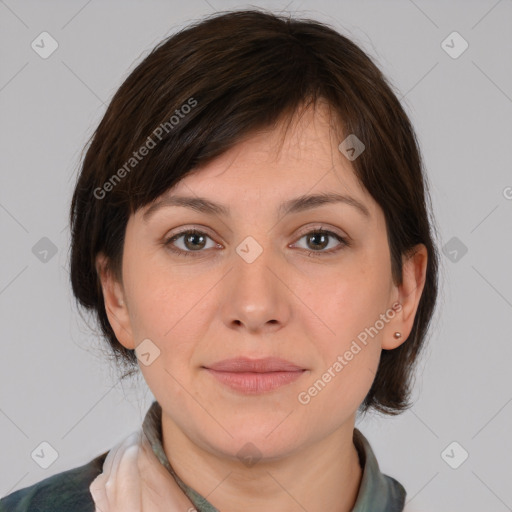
(169, 242)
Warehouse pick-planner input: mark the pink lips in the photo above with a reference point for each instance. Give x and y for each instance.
(254, 376)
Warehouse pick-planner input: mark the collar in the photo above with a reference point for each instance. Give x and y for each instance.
(377, 492)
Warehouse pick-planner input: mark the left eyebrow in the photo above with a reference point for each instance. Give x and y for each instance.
(308, 202)
(296, 205)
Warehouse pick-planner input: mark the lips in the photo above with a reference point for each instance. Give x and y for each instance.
(245, 365)
(255, 376)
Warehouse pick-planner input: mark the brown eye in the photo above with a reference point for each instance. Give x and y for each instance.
(193, 241)
(318, 239)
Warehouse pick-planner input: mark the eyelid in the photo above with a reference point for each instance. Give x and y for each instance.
(323, 227)
(187, 229)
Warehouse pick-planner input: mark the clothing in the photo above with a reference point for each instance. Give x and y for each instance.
(64, 492)
(69, 491)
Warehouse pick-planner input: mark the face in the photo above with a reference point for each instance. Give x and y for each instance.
(263, 279)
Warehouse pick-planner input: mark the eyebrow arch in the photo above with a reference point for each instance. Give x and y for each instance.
(296, 205)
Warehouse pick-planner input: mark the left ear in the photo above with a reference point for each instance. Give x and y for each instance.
(414, 268)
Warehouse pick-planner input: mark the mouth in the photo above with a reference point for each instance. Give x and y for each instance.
(255, 376)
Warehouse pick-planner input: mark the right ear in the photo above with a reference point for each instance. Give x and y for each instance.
(115, 303)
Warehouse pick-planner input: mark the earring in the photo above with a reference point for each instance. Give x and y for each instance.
(397, 335)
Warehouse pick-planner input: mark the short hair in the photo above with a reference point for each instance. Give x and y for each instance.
(211, 85)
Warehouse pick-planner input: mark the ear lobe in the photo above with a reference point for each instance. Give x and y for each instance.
(414, 268)
(115, 307)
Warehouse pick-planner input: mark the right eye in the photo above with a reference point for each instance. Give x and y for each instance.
(191, 238)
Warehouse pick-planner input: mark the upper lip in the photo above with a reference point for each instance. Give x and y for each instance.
(245, 364)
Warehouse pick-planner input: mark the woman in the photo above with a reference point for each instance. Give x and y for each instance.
(250, 226)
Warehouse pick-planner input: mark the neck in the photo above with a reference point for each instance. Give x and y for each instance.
(324, 476)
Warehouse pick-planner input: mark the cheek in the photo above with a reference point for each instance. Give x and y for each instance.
(348, 301)
(159, 298)
(349, 305)
(164, 309)
(171, 307)
(343, 377)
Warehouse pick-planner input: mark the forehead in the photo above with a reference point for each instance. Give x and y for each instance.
(275, 164)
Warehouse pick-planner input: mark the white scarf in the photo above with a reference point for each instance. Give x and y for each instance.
(134, 480)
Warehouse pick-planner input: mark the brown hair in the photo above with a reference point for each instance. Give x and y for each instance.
(239, 72)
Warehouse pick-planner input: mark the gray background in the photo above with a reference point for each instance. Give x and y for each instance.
(55, 385)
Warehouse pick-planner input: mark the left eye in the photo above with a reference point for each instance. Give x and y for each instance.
(320, 236)
(195, 240)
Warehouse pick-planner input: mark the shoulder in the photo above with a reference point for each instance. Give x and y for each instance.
(62, 492)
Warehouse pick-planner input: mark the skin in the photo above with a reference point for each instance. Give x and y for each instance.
(213, 305)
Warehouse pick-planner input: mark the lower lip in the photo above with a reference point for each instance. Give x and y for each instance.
(255, 383)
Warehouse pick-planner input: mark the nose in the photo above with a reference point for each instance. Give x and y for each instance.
(256, 296)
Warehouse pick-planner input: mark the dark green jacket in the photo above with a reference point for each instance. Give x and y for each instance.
(69, 491)
(64, 492)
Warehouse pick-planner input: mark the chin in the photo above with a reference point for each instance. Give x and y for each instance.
(257, 439)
